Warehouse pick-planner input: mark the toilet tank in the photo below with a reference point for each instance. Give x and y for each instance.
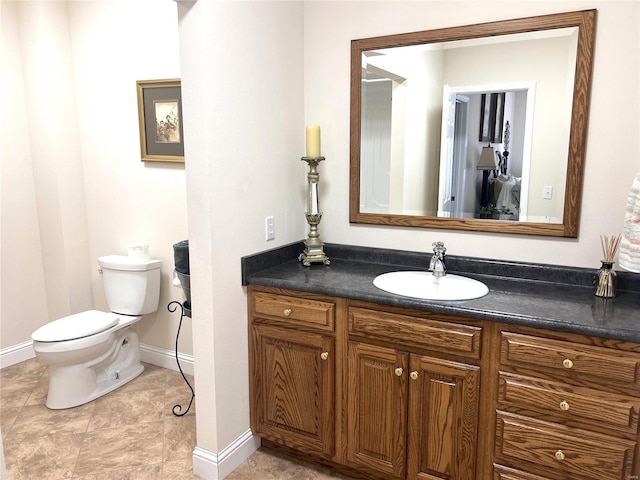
(131, 286)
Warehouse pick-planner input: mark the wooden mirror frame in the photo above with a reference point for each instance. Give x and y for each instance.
(585, 21)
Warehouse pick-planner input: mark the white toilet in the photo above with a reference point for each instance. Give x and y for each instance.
(92, 353)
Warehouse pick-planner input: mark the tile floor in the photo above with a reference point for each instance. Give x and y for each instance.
(129, 434)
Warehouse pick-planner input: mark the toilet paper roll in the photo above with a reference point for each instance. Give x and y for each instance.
(139, 251)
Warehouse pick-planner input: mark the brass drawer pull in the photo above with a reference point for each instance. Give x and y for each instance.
(567, 363)
(559, 455)
(564, 405)
(324, 355)
(287, 312)
(414, 375)
(399, 371)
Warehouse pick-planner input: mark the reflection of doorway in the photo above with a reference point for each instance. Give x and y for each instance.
(459, 156)
(382, 141)
(460, 147)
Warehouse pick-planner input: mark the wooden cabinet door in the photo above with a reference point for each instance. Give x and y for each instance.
(293, 394)
(377, 409)
(443, 419)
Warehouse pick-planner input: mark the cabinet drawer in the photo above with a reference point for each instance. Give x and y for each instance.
(501, 472)
(295, 310)
(433, 334)
(597, 364)
(568, 404)
(570, 453)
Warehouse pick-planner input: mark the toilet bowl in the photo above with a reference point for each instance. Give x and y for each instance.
(92, 353)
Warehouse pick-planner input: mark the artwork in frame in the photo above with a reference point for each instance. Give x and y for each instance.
(160, 120)
(491, 117)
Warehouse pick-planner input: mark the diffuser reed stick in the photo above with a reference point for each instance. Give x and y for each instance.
(606, 275)
(609, 247)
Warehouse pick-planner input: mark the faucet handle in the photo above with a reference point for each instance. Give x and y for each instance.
(438, 248)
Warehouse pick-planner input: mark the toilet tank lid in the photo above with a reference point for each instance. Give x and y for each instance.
(75, 326)
(122, 262)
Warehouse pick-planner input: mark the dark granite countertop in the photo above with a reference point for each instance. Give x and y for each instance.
(543, 296)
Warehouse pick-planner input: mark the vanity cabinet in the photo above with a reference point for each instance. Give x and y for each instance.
(292, 366)
(384, 392)
(567, 409)
(402, 404)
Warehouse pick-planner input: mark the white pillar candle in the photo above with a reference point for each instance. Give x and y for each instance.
(313, 141)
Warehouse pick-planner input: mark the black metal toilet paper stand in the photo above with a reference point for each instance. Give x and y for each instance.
(172, 307)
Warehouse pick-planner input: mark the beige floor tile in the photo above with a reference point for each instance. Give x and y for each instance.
(143, 472)
(129, 434)
(35, 421)
(47, 457)
(113, 448)
(25, 371)
(179, 395)
(127, 408)
(179, 437)
(179, 470)
(243, 472)
(39, 393)
(7, 418)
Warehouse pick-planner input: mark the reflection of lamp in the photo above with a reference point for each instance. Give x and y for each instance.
(486, 163)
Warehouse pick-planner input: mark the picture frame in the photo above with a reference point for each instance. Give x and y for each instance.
(491, 117)
(160, 120)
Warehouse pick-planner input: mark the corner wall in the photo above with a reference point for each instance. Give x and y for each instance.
(241, 68)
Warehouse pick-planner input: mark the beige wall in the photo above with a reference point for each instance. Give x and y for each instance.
(613, 151)
(73, 185)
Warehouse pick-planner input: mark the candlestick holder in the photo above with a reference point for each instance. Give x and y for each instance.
(314, 247)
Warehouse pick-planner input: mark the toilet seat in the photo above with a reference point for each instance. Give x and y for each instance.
(75, 326)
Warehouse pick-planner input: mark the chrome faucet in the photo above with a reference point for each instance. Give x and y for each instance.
(437, 264)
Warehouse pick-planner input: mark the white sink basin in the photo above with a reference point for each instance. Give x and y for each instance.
(427, 286)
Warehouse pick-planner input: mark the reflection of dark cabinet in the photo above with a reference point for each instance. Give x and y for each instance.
(491, 117)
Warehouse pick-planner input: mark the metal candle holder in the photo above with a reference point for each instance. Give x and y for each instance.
(314, 247)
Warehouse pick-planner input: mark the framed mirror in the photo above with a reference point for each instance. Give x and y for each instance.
(479, 127)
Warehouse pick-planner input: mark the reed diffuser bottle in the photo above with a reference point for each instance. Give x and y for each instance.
(606, 276)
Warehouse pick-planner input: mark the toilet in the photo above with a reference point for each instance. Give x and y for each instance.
(92, 353)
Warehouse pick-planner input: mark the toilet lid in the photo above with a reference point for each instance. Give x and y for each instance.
(75, 326)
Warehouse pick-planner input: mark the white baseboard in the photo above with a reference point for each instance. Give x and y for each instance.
(148, 353)
(166, 358)
(214, 466)
(16, 354)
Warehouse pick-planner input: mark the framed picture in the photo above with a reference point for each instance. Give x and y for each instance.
(491, 117)
(160, 120)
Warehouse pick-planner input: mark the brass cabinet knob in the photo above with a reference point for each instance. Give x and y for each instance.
(414, 375)
(559, 455)
(564, 405)
(567, 363)
(399, 371)
(287, 312)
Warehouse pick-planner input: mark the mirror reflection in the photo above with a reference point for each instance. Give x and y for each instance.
(430, 111)
(452, 128)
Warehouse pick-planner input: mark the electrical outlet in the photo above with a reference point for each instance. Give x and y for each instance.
(547, 192)
(270, 228)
